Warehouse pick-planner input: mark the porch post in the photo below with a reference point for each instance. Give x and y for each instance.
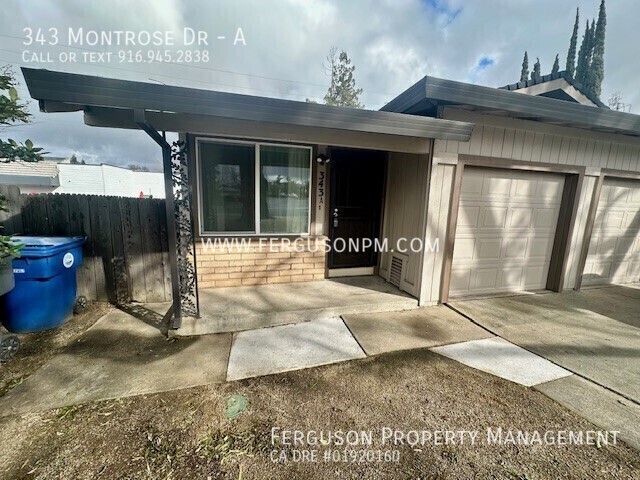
(139, 117)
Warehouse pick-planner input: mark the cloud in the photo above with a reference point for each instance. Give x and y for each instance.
(482, 64)
(446, 11)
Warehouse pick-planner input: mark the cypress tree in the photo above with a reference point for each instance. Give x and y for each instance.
(597, 63)
(556, 65)
(584, 57)
(571, 55)
(535, 75)
(524, 73)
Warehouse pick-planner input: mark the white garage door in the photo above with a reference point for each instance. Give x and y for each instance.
(506, 226)
(614, 250)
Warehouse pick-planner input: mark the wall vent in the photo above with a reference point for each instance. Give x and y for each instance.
(396, 270)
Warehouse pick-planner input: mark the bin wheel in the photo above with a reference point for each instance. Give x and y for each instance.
(80, 305)
(9, 345)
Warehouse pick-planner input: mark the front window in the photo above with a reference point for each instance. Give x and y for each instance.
(249, 188)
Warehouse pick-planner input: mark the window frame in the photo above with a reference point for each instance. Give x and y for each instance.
(256, 160)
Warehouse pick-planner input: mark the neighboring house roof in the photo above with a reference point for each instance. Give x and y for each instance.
(427, 94)
(559, 85)
(117, 100)
(29, 173)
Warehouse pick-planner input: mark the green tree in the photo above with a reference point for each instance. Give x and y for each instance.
(13, 111)
(535, 74)
(570, 66)
(556, 64)
(584, 55)
(342, 90)
(138, 168)
(596, 75)
(524, 73)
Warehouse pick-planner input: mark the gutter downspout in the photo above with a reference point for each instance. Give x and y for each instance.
(139, 117)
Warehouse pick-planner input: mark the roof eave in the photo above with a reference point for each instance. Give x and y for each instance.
(58, 91)
(522, 106)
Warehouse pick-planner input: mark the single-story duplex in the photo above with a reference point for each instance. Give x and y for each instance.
(475, 190)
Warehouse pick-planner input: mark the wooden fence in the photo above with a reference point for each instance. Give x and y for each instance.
(126, 254)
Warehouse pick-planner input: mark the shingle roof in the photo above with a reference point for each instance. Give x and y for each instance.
(554, 76)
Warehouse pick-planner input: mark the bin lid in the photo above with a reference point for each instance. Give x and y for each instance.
(46, 246)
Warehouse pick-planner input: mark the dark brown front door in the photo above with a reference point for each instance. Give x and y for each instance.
(357, 189)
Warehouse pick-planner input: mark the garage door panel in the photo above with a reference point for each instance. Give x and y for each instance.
(509, 247)
(535, 277)
(541, 248)
(520, 217)
(511, 276)
(546, 218)
(496, 187)
(489, 248)
(493, 217)
(614, 248)
(525, 189)
(516, 248)
(485, 278)
(468, 215)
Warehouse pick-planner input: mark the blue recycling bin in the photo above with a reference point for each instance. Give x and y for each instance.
(46, 286)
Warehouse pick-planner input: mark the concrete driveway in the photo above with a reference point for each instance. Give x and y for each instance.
(594, 333)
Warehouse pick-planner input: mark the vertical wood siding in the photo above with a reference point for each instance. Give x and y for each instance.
(536, 146)
(404, 212)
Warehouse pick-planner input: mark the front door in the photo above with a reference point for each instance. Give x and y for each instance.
(356, 197)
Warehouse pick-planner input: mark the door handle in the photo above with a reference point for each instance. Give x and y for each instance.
(335, 217)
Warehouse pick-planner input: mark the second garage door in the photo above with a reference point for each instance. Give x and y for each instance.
(505, 231)
(614, 250)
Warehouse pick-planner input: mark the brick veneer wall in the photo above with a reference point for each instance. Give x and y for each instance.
(222, 265)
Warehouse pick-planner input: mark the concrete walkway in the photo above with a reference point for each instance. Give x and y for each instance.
(122, 354)
(236, 309)
(594, 332)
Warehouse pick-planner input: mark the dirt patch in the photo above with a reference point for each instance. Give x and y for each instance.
(37, 348)
(186, 435)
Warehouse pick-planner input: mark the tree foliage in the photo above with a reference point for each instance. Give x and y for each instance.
(597, 61)
(570, 66)
(138, 168)
(556, 65)
(8, 248)
(535, 74)
(584, 55)
(12, 111)
(342, 90)
(524, 73)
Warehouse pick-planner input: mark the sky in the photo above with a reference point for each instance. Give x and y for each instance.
(281, 46)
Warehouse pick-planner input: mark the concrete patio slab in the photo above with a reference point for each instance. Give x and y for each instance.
(122, 354)
(595, 332)
(291, 347)
(420, 328)
(236, 309)
(504, 360)
(598, 405)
